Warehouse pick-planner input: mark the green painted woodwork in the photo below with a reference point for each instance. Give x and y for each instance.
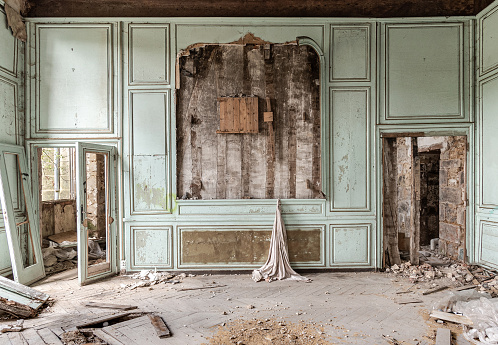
(397, 82)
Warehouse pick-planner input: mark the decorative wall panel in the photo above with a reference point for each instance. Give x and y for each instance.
(148, 54)
(8, 52)
(151, 246)
(488, 251)
(75, 79)
(247, 246)
(8, 111)
(218, 33)
(248, 208)
(350, 244)
(5, 265)
(350, 145)
(149, 159)
(489, 41)
(350, 53)
(489, 141)
(424, 71)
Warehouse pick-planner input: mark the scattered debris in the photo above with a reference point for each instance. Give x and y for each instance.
(202, 288)
(17, 327)
(152, 277)
(74, 338)
(409, 301)
(268, 331)
(458, 275)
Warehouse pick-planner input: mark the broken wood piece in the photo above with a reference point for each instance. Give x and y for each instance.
(202, 288)
(436, 289)
(409, 301)
(465, 287)
(443, 336)
(17, 327)
(109, 305)
(100, 320)
(268, 116)
(160, 326)
(68, 236)
(451, 317)
(406, 291)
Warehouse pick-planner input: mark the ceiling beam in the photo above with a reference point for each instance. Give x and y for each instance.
(255, 8)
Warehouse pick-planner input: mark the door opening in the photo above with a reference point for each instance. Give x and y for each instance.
(76, 204)
(424, 199)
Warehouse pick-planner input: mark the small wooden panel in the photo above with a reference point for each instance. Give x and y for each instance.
(238, 115)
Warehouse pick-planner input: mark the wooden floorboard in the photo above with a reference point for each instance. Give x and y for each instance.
(360, 305)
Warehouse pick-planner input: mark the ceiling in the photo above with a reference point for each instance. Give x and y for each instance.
(255, 8)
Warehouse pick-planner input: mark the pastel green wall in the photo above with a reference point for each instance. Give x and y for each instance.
(486, 224)
(11, 111)
(378, 76)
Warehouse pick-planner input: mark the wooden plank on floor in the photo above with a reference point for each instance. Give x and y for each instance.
(106, 337)
(16, 339)
(451, 317)
(32, 337)
(109, 305)
(108, 317)
(161, 329)
(4, 340)
(49, 337)
(138, 330)
(443, 336)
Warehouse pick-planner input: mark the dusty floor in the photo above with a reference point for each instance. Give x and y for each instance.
(335, 308)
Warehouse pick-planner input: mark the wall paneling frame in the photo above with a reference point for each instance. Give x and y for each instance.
(376, 76)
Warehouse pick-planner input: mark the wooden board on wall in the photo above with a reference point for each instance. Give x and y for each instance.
(235, 166)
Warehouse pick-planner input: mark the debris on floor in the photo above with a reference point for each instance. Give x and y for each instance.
(58, 259)
(268, 331)
(19, 300)
(17, 327)
(452, 275)
(152, 277)
(477, 312)
(80, 338)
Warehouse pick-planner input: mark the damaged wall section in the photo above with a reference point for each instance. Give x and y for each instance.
(241, 166)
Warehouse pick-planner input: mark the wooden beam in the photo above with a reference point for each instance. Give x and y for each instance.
(258, 8)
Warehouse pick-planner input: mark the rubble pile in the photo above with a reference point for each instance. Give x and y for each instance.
(152, 277)
(458, 274)
(59, 259)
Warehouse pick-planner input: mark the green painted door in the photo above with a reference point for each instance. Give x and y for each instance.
(22, 230)
(97, 230)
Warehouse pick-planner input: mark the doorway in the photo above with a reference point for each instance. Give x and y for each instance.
(76, 195)
(424, 198)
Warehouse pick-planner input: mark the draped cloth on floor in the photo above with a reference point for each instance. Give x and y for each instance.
(277, 265)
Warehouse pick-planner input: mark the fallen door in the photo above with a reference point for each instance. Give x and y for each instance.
(96, 205)
(23, 235)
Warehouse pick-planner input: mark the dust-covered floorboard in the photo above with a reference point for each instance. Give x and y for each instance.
(335, 308)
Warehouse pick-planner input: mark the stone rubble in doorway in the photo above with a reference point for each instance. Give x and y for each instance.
(58, 259)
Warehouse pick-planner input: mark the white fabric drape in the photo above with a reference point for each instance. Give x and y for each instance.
(277, 265)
